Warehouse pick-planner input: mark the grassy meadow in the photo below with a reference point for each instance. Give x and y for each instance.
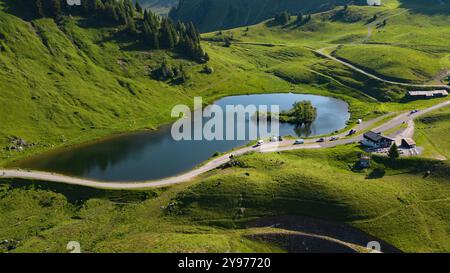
(67, 82)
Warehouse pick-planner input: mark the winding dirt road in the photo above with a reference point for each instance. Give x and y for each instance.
(359, 70)
(217, 162)
(438, 78)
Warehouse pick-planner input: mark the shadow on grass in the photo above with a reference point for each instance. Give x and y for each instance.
(415, 165)
(79, 194)
(376, 173)
(426, 7)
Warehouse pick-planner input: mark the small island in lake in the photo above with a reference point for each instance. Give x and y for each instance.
(301, 113)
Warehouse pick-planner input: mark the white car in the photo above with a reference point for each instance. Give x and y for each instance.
(299, 141)
(260, 142)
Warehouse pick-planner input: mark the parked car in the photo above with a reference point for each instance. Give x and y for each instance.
(334, 138)
(352, 132)
(274, 139)
(260, 142)
(299, 141)
(280, 138)
(321, 139)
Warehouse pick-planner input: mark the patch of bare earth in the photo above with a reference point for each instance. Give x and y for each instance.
(315, 235)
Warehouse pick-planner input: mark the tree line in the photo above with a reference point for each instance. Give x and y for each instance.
(282, 18)
(155, 32)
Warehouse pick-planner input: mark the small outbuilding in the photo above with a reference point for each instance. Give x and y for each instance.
(364, 161)
(408, 143)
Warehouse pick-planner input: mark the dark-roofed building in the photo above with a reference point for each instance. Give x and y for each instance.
(376, 140)
(408, 143)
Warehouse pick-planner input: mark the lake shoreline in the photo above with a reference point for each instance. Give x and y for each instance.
(202, 151)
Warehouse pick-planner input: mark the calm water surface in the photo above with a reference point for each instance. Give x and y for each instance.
(154, 155)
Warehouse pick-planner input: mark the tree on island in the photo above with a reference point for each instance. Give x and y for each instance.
(303, 112)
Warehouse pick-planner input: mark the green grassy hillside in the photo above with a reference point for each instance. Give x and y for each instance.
(409, 47)
(67, 81)
(397, 204)
(75, 81)
(396, 63)
(225, 14)
(59, 81)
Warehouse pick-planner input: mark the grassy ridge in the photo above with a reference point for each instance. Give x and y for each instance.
(226, 14)
(321, 184)
(43, 221)
(400, 206)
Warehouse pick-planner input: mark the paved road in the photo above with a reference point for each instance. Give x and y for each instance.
(216, 162)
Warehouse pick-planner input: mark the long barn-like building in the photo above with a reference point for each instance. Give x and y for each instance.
(428, 94)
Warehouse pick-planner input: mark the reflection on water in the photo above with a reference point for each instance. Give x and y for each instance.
(154, 155)
(303, 130)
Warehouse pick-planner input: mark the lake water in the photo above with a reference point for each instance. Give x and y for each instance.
(154, 155)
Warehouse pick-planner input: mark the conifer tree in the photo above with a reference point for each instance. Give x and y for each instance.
(138, 7)
(393, 152)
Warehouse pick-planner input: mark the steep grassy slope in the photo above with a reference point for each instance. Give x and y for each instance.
(133, 222)
(59, 81)
(210, 15)
(66, 83)
(409, 47)
(225, 14)
(398, 204)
